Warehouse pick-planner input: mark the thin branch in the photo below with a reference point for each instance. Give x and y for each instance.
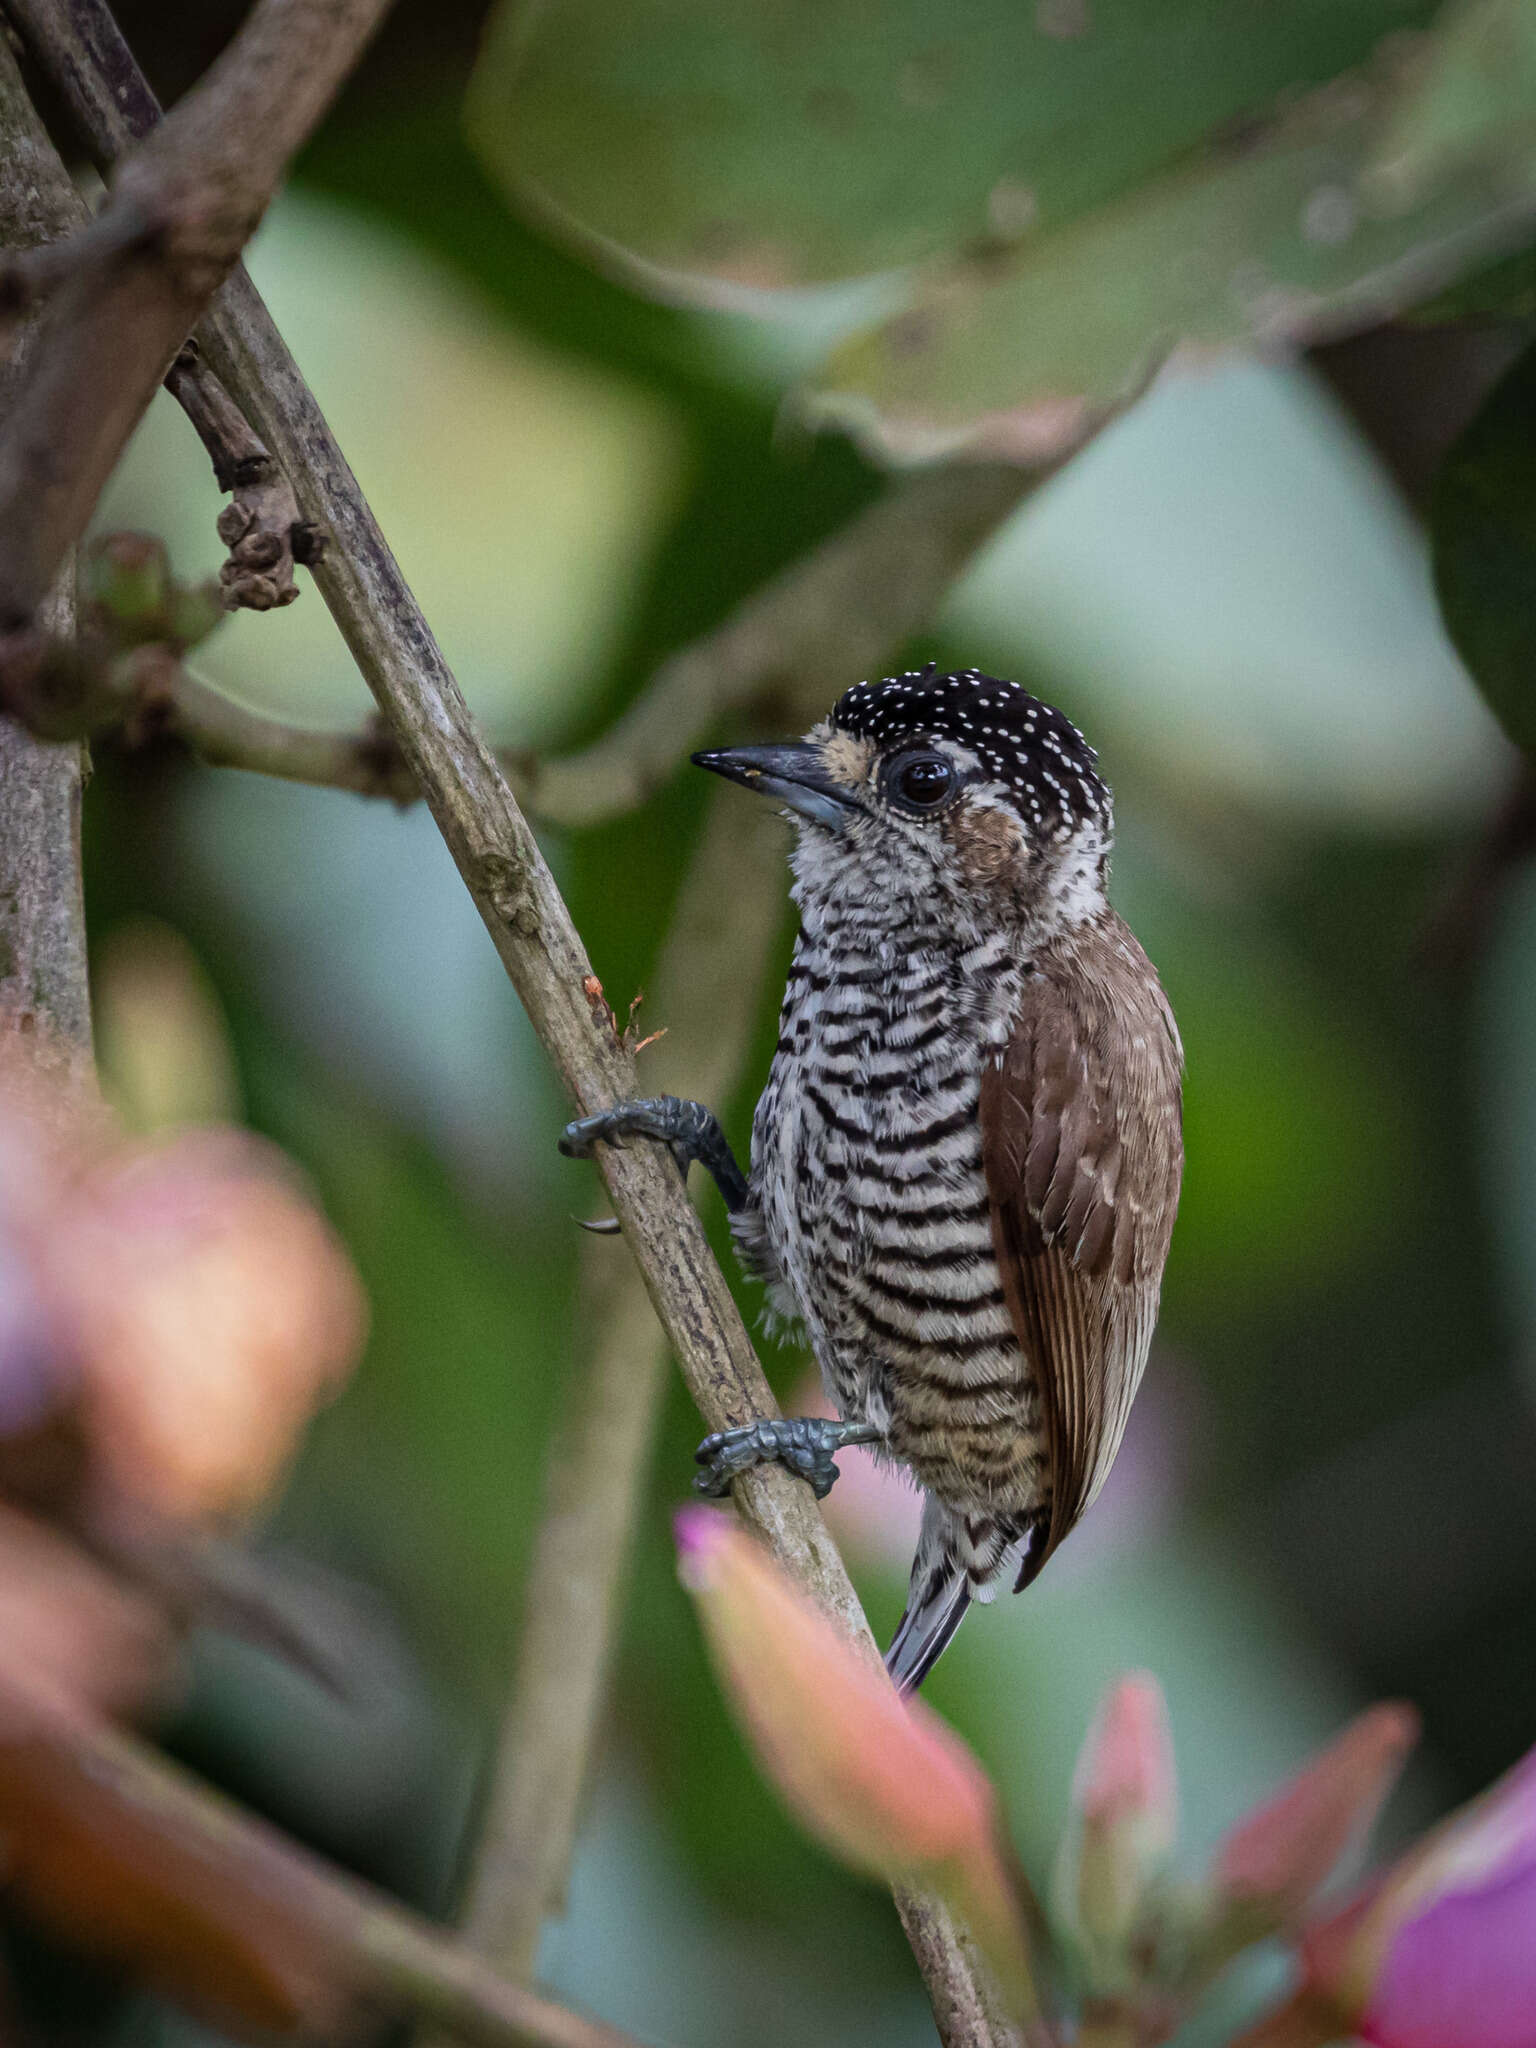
(42, 911)
(225, 734)
(89, 688)
(507, 877)
(109, 1842)
(200, 184)
(709, 975)
(260, 525)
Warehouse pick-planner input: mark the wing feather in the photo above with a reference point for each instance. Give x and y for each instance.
(1082, 1145)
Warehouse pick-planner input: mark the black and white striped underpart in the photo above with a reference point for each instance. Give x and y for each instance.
(870, 1221)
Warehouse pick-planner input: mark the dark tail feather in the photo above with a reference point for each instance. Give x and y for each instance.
(924, 1631)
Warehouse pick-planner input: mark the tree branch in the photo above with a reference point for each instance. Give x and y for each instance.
(833, 615)
(707, 981)
(506, 875)
(197, 186)
(42, 911)
(152, 694)
(110, 1845)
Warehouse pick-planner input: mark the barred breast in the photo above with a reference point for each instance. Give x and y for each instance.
(866, 1165)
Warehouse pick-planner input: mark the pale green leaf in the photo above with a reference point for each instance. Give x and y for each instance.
(780, 142)
(1285, 237)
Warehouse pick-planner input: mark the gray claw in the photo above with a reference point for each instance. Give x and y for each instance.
(600, 1226)
(803, 1444)
(579, 1138)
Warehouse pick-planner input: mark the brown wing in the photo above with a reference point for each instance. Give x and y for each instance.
(1082, 1144)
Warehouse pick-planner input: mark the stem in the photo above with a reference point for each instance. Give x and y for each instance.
(706, 989)
(116, 1849)
(42, 909)
(261, 525)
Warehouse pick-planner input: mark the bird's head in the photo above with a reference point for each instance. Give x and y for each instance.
(929, 796)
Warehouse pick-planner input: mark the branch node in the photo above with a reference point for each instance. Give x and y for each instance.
(382, 769)
(309, 541)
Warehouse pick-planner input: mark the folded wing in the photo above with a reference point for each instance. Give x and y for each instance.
(1083, 1151)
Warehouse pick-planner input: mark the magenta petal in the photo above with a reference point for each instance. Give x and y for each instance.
(1463, 1973)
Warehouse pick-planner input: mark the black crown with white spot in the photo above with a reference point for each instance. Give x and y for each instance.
(1036, 752)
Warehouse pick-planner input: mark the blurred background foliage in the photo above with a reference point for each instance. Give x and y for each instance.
(1325, 1495)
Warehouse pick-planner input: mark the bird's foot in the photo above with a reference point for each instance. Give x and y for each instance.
(804, 1444)
(689, 1130)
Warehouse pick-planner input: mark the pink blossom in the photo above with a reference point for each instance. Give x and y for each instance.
(1441, 1952)
(1125, 1799)
(1286, 1848)
(880, 1780)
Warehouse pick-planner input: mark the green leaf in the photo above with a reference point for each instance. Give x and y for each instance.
(1483, 532)
(1476, 101)
(783, 142)
(1505, 290)
(1295, 233)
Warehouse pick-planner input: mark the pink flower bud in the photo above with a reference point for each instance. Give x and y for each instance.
(213, 1310)
(1441, 1952)
(1125, 1799)
(1279, 1855)
(881, 1781)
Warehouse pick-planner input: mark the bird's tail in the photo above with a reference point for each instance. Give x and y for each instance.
(960, 1558)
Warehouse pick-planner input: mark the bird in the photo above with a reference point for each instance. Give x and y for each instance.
(967, 1159)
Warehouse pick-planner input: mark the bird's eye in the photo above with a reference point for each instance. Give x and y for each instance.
(921, 782)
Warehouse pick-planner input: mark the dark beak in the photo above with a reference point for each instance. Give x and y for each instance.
(791, 773)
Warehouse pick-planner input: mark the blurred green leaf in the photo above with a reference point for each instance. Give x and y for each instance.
(1483, 530)
(1475, 101)
(781, 142)
(1504, 290)
(1301, 231)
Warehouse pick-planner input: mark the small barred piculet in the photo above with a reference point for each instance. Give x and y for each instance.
(966, 1162)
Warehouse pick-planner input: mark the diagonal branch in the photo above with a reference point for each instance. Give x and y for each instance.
(109, 1844)
(731, 903)
(823, 622)
(182, 206)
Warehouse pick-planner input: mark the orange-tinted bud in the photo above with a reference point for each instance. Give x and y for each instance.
(880, 1780)
(1279, 1855)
